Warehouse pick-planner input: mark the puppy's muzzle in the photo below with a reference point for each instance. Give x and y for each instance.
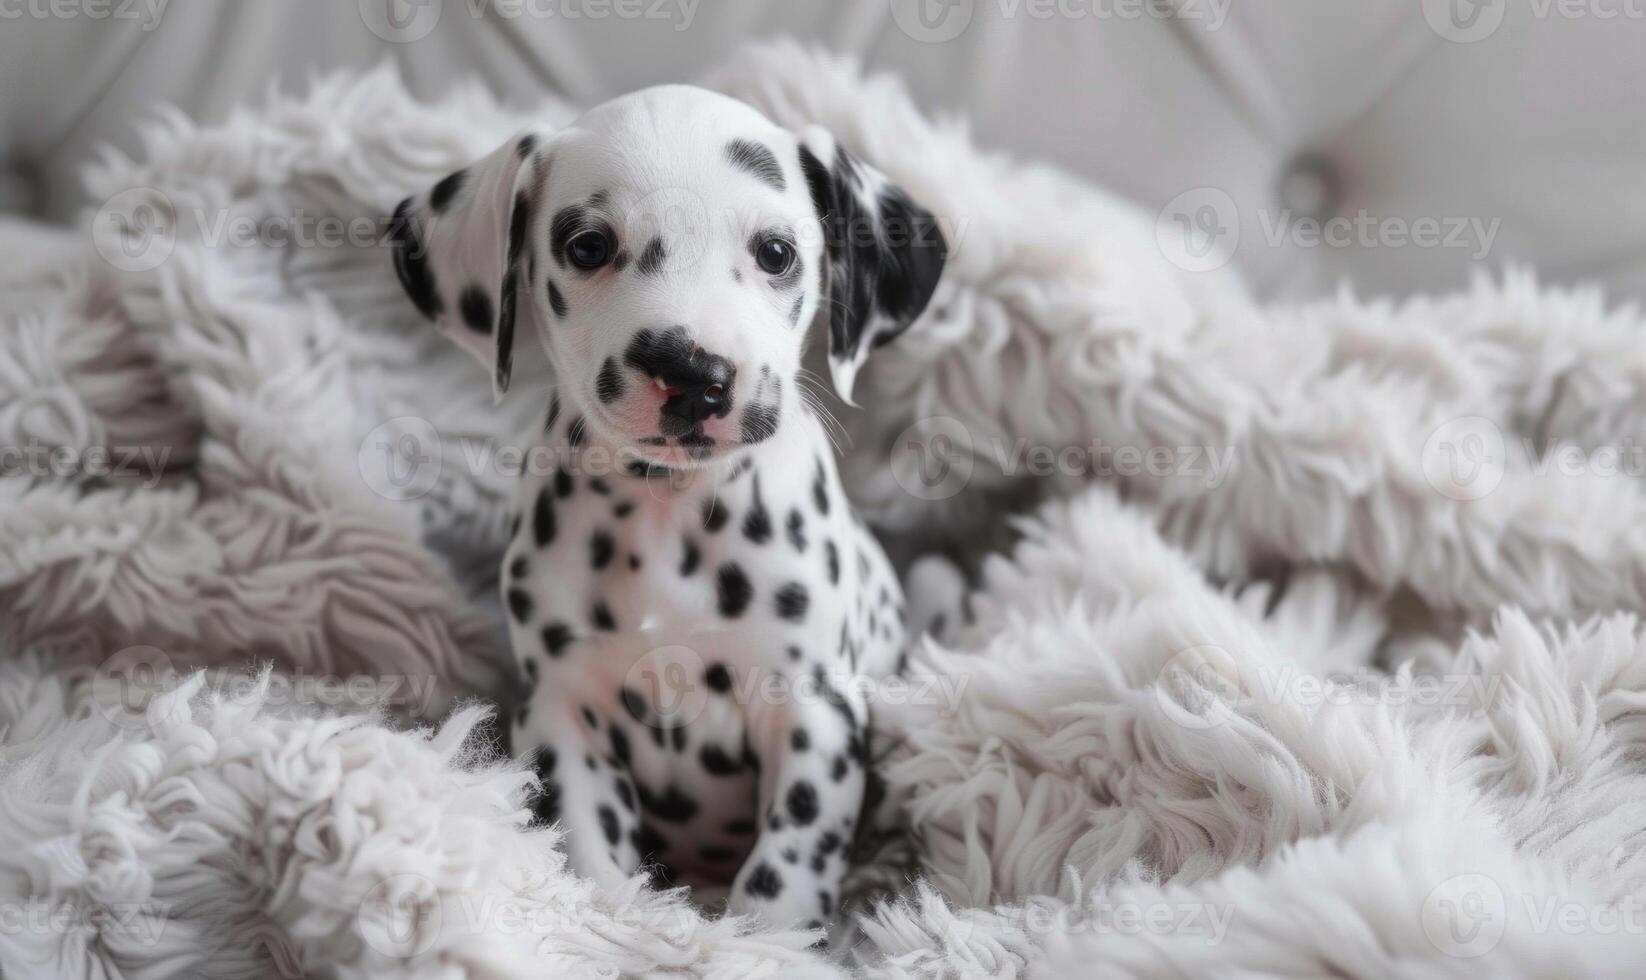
(696, 383)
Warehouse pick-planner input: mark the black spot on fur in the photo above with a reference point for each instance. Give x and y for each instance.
(520, 606)
(608, 823)
(651, 258)
(792, 602)
(622, 509)
(601, 616)
(647, 841)
(625, 793)
(689, 557)
(557, 302)
(543, 522)
(519, 568)
(411, 262)
(799, 740)
(519, 218)
(759, 422)
(600, 549)
(546, 802)
(735, 592)
(802, 801)
(634, 704)
(441, 196)
(838, 772)
(797, 529)
(673, 806)
(505, 331)
(764, 882)
(832, 557)
(718, 678)
(563, 484)
(528, 142)
(620, 745)
(476, 308)
(593, 721)
(556, 637)
(757, 523)
(758, 160)
(717, 761)
(820, 489)
(715, 515)
(608, 385)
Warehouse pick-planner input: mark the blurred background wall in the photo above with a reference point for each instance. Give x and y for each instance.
(1444, 136)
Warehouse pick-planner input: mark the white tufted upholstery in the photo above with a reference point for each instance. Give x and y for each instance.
(1536, 131)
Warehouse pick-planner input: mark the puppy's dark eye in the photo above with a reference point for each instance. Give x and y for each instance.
(589, 250)
(774, 256)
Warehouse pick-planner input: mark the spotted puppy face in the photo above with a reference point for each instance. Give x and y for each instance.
(669, 250)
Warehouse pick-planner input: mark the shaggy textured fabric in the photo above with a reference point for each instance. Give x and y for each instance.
(1310, 711)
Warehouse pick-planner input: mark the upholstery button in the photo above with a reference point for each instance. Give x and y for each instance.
(1310, 186)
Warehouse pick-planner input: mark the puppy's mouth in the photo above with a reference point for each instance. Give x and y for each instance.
(702, 444)
(651, 427)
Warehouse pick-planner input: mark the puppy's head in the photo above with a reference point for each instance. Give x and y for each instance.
(670, 249)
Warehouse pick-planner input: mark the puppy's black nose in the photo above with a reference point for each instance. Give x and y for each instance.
(698, 384)
(698, 388)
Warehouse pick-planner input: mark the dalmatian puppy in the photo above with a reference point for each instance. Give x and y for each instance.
(669, 251)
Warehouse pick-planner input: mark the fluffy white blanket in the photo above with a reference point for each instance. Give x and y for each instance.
(1316, 657)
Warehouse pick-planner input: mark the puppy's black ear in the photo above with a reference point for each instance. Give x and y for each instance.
(884, 253)
(460, 249)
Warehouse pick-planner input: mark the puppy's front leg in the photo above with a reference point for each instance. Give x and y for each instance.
(587, 780)
(811, 754)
